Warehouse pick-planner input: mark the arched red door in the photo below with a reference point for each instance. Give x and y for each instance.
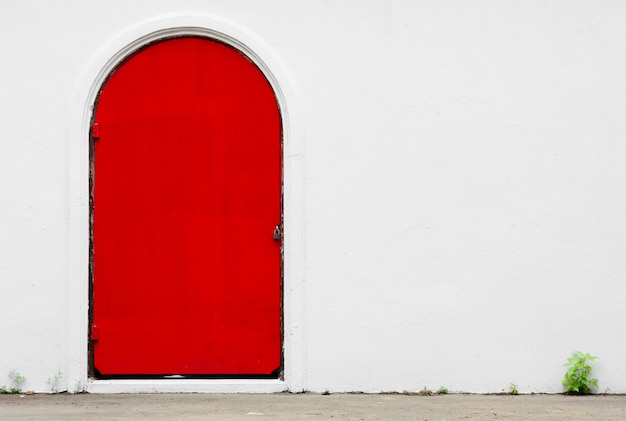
(186, 184)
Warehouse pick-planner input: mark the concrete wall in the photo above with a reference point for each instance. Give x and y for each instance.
(456, 183)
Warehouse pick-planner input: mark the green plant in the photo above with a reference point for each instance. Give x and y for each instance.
(53, 382)
(326, 392)
(576, 378)
(16, 383)
(442, 391)
(78, 387)
(513, 389)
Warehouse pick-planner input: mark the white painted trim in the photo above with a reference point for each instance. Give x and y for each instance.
(187, 386)
(83, 98)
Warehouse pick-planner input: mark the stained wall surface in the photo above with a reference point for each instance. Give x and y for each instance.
(464, 216)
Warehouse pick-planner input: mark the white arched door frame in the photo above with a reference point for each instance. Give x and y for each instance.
(83, 100)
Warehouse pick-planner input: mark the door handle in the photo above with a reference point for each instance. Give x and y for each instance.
(277, 232)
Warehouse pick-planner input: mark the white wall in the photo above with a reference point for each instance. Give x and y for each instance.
(465, 218)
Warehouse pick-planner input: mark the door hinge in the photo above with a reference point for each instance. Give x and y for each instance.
(95, 131)
(95, 332)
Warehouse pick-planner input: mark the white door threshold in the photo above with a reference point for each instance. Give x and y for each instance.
(187, 386)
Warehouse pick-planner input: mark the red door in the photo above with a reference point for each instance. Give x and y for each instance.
(186, 198)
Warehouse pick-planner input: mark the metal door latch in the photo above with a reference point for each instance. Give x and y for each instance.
(277, 233)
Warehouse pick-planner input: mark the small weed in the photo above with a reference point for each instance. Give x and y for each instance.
(17, 380)
(513, 389)
(576, 378)
(53, 382)
(426, 392)
(78, 387)
(326, 392)
(442, 391)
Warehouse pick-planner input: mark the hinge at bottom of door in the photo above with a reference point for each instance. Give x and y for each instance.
(95, 332)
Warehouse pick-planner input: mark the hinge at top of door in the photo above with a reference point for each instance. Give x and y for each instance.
(95, 131)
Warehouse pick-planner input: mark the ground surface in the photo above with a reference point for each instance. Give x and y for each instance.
(312, 406)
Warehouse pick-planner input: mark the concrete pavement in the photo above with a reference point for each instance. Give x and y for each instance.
(311, 406)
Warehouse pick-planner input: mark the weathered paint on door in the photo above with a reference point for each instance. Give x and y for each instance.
(186, 275)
